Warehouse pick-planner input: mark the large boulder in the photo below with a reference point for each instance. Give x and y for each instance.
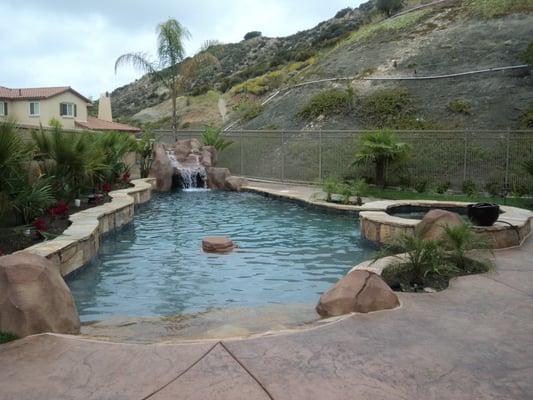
(235, 183)
(162, 169)
(360, 291)
(216, 178)
(34, 298)
(217, 244)
(208, 156)
(432, 225)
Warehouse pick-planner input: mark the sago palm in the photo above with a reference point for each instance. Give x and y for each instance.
(381, 149)
(213, 137)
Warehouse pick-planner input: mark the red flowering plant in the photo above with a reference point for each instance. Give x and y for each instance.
(39, 224)
(126, 177)
(107, 187)
(60, 210)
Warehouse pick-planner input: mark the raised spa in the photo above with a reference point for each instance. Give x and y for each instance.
(288, 254)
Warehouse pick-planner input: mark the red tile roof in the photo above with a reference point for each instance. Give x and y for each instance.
(36, 93)
(101, 125)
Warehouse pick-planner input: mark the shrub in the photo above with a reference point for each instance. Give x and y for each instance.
(381, 148)
(388, 108)
(330, 186)
(145, 150)
(442, 187)
(421, 185)
(493, 187)
(20, 194)
(460, 106)
(328, 103)
(526, 119)
(252, 34)
(248, 109)
(458, 240)
(7, 337)
(261, 84)
(213, 137)
(389, 7)
(343, 12)
(469, 188)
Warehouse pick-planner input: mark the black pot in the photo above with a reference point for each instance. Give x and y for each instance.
(483, 214)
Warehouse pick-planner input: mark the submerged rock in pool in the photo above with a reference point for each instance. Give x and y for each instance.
(217, 244)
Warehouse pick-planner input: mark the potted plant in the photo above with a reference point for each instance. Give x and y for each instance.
(483, 214)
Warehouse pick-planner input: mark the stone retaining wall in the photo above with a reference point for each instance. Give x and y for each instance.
(80, 242)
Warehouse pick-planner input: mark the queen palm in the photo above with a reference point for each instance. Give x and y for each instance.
(170, 69)
(380, 148)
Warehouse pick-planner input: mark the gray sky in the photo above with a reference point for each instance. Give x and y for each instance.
(75, 43)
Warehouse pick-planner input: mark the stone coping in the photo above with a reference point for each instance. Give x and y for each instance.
(377, 225)
(80, 242)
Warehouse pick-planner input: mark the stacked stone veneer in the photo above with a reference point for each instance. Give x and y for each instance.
(80, 242)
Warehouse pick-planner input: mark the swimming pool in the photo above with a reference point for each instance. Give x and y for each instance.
(288, 254)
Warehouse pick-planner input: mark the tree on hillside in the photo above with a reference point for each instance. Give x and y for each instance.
(251, 35)
(389, 7)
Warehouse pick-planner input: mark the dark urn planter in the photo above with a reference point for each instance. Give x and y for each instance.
(483, 214)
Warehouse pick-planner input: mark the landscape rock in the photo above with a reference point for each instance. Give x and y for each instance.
(208, 156)
(217, 244)
(162, 169)
(34, 298)
(235, 183)
(216, 178)
(359, 291)
(432, 225)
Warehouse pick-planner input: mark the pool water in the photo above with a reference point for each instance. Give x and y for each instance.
(288, 254)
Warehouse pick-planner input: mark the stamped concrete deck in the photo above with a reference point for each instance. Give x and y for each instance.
(471, 341)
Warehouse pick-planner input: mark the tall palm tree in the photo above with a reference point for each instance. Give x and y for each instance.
(166, 69)
(380, 148)
(171, 69)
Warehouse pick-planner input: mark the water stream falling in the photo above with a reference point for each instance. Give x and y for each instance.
(191, 174)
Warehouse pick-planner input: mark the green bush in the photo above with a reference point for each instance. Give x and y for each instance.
(388, 108)
(21, 194)
(145, 150)
(248, 109)
(7, 337)
(526, 119)
(213, 137)
(328, 103)
(330, 186)
(469, 188)
(460, 106)
(527, 54)
(389, 7)
(493, 187)
(421, 185)
(251, 35)
(442, 187)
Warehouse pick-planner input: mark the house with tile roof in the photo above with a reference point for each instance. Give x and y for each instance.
(32, 107)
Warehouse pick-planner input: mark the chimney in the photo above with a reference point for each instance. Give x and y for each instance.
(104, 107)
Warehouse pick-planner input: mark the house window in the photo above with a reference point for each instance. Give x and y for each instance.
(68, 110)
(3, 108)
(34, 109)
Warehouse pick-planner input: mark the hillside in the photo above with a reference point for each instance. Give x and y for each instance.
(450, 37)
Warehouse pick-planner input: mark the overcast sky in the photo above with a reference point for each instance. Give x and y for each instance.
(75, 43)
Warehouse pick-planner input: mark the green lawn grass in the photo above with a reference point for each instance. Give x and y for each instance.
(394, 194)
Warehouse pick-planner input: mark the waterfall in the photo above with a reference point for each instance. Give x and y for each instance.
(191, 174)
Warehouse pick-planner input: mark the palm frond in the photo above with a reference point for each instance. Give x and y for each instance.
(170, 43)
(138, 60)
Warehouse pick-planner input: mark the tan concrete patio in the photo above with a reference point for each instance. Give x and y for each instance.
(471, 341)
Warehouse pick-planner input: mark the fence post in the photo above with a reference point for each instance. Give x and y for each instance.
(465, 143)
(507, 158)
(282, 156)
(241, 153)
(320, 156)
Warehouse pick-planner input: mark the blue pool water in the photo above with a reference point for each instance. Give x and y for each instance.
(288, 254)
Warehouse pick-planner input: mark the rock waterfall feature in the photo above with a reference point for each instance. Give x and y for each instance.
(187, 164)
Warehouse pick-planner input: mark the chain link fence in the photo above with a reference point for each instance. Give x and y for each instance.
(482, 157)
